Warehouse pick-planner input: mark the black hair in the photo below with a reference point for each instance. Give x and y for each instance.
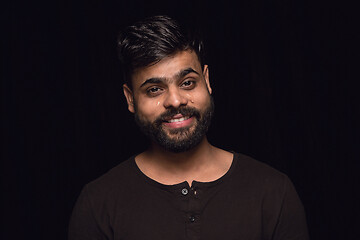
(148, 41)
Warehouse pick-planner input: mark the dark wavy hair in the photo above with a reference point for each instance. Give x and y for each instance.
(149, 41)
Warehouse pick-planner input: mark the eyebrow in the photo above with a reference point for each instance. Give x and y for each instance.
(179, 75)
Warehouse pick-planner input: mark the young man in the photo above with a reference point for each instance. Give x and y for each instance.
(182, 187)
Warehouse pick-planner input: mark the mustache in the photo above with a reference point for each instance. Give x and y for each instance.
(185, 111)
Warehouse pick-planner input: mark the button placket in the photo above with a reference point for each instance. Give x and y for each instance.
(193, 213)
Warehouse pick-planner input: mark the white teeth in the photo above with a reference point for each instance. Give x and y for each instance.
(178, 119)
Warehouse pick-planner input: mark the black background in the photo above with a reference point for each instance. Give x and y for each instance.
(284, 75)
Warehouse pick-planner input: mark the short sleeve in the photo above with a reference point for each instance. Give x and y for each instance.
(83, 225)
(291, 223)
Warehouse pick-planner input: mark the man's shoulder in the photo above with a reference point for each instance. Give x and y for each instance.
(116, 178)
(251, 170)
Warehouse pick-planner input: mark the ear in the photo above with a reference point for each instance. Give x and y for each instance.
(129, 97)
(206, 76)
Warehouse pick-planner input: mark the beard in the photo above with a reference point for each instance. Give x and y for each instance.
(179, 139)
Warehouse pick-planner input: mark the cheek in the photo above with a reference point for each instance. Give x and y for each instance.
(150, 109)
(200, 99)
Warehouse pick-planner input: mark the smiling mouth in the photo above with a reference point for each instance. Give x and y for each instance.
(178, 119)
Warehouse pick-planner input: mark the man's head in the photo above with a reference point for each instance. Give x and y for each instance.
(147, 42)
(167, 87)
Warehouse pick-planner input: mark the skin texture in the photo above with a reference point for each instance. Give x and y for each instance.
(171, 94)
(174, 82)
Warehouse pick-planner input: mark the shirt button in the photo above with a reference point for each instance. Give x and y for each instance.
(192, 219)
(184, 191)
(194, 190)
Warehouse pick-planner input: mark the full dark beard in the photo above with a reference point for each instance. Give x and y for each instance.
(180, 139)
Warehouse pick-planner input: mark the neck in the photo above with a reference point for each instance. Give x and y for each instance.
(183, 161)
(203, 163)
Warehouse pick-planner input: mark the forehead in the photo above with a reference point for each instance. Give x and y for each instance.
(167, 67)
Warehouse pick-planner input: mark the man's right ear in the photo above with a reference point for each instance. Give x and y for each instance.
(129, 97)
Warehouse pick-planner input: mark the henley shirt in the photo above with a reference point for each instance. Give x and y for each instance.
(252, 201)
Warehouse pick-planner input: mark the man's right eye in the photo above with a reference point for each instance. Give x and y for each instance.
(153, 91)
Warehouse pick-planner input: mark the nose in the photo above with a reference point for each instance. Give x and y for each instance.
(174, 99)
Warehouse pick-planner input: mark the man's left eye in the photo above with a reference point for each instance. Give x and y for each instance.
(188, 84)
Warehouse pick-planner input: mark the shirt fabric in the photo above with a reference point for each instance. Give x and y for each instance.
(252, 201)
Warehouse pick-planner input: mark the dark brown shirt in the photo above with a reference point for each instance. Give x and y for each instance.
(252, 201)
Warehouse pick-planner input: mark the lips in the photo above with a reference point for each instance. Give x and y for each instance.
(176, 118)
(178, 121)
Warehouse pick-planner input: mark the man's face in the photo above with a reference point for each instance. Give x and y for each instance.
(171, 101)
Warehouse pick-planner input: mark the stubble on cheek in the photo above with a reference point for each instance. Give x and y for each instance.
(176, 139)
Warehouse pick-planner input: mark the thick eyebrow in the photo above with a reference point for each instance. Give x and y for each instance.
(179, 75)
(185, 72)
(153, 80)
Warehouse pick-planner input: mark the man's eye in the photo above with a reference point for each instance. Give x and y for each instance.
(153, 90)
(188, 84)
